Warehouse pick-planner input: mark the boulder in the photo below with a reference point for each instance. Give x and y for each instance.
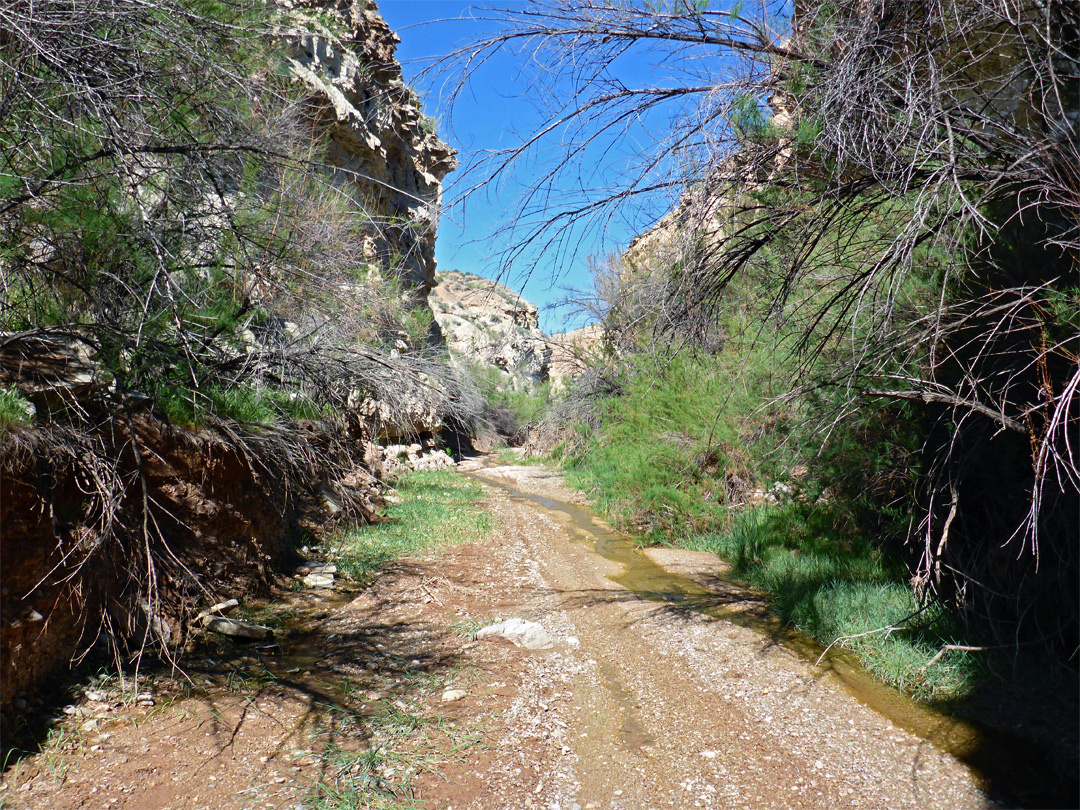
(520, 632)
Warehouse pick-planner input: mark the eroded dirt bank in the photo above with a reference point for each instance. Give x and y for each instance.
(636, 704)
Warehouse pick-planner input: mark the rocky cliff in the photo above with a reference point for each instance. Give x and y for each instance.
(572, 352)
(387, 152)
(488, 324)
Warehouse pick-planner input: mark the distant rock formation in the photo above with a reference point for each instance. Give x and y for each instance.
(488, 324)
(571, 352)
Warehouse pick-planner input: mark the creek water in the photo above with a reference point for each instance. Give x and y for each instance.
(1013, 770)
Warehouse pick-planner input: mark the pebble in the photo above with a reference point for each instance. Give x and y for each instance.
(319, 581)
(453, 694)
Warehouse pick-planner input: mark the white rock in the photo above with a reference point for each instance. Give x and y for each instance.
(238, 629)
(520, 632)
(453, 694)
(319, 581)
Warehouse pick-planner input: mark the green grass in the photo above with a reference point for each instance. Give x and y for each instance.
(370, 756)
(469, 627)
(653, 465)
(403, 740)
(258, 406)
(438, 507)
(673, 457)
(15, 409)
(832, 586)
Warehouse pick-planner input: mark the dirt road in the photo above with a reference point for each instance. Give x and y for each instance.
(635, 705)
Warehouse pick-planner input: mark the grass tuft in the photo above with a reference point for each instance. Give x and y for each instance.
(15, 409)
(438, 507)
(831, 586)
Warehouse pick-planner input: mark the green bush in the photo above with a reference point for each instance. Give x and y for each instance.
(656, 459)
(257, 406)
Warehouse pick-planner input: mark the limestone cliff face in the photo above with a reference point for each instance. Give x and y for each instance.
(489, 324)
(486, 323)
(225, 511)
(388, 154)
(573, 352)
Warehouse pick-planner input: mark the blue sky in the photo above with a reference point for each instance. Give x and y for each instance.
(499, 106)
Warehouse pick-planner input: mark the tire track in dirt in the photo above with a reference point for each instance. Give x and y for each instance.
(637, 705)
(673, 709)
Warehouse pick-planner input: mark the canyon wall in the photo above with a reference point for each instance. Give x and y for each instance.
(116, 525)
(388, 155)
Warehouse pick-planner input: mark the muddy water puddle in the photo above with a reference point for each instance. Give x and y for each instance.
(1008, 765)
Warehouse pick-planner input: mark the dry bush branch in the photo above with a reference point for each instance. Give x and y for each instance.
(901, 179)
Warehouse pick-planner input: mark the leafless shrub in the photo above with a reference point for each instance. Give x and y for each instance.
(568, 421)
(901, 178)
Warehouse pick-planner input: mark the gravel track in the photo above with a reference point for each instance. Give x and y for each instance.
(637, 705)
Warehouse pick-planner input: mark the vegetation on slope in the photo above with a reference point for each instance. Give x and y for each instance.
(693, 449)
(893, 187)
(174, 216)
(192, 272)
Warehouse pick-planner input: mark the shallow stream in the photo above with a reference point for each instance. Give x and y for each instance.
(1013, 770)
